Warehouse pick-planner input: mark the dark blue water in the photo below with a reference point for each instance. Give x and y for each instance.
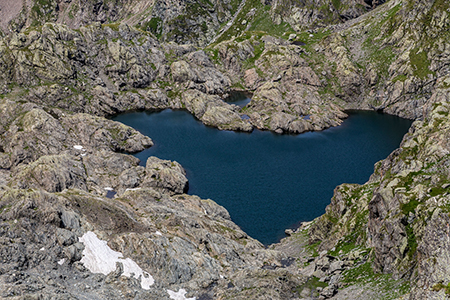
(238, 98)
(270, 182)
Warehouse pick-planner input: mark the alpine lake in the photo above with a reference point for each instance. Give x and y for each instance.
(269, 182)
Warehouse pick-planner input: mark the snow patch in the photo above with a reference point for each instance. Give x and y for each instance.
(78, 147)
(99, 258)
(179, 295)
(135, 189)
(61, 262)
(158, 232)
(109, 189)
(42, 249)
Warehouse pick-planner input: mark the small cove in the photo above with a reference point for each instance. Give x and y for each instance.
(269, 182)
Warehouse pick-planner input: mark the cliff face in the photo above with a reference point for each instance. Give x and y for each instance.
(305, 61)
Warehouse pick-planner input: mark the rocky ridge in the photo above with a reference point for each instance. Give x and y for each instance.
(168, 20)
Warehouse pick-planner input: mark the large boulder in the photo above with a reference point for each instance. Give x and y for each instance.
(165, 175)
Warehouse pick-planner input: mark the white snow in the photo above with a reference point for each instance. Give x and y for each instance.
(42, 249)
(158, 232)
(99, 258)
(135, 189)
(78, 147)
(61, 262)
(179, 295)
(109, 189)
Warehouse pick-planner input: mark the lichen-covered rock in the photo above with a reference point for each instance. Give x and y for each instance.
(53, 173)
(286, 96)
(100, 133)
(213, 111)
(165, 174)
(33, 134)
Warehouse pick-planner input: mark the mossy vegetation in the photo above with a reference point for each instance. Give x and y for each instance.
(113, 26)
(311, 286)
(384, 284)
(342, 248)
(412, 242)
(336, 4)
(420, 63)
(255, 17)
(154, 25)
(313, 249)
(440, 286)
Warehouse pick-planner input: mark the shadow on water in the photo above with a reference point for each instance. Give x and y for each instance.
(238, 98)
(270, 182)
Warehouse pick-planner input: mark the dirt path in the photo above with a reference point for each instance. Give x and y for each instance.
(229, 24)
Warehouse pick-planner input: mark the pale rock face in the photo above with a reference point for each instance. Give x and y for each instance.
(99, 258)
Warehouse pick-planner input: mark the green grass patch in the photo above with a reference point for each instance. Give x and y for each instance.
(387, 287)
(260, 21)
(437, 191)
(154, 25)
(360, 274)
(312, 38)
(113, 26)
(263, 22)
(409, 206)
(312, 284)
(412, 241)
(420, 63)
(312, 248)
(401, 78)
(258, 50)
(440, 286)
(342, 248)
(336, 4)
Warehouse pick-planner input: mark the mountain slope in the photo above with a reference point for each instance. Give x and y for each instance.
(305, 62)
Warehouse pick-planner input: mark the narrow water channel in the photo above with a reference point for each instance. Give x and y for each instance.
(270, 182)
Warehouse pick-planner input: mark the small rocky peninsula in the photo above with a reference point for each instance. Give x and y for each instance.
(81, 218)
